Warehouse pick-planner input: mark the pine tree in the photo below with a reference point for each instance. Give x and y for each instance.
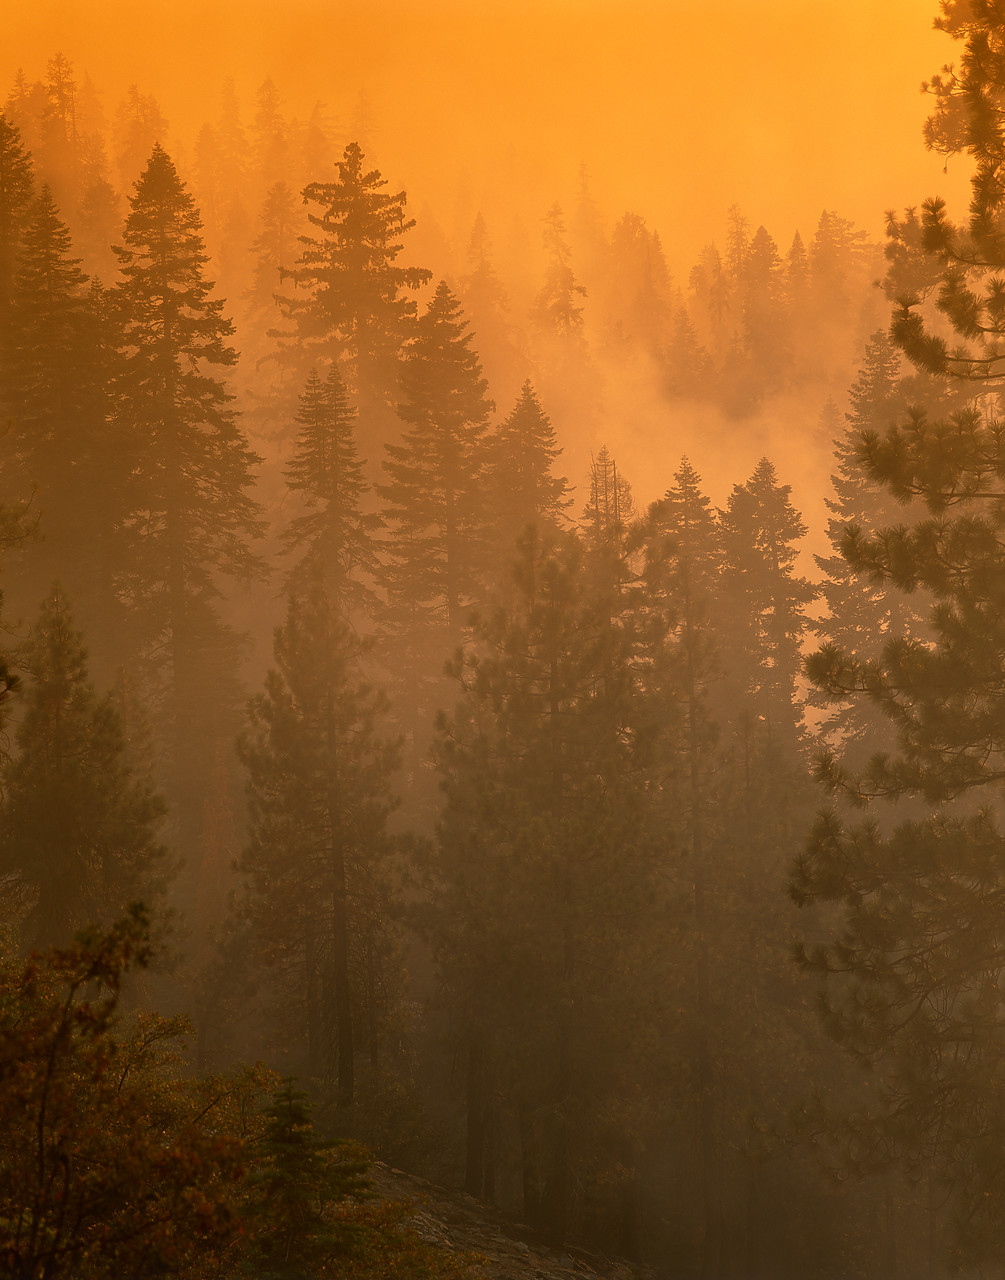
(295, 1180)
(913, 977)
(275, 248)
(835, 254)
(765, 328)
(435, 496)
(485, 300)
(315, 866)
(557, 310)
(78, 824)
(61, 453)
(335, 537)
(862, 615)
(520, 485)
(912, 980)
(637, 292)
(797, 276)
(676, 597)
(270, 136)
(713, 311)
(357, 310)
(763, 603)
(610, 507)
(17, 188)
(189, 515)
(543, 879)
(686, 361)
(139, 127)
(959, 264)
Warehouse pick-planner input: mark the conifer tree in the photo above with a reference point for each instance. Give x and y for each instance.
(863, 615)
(17, 188)
(914, 973)
(765, 327)
(485, 300)
(730, 809)
(797, 275)
(351, 303)
(435, 495)
(686, 361)
(836, 252)
(520, 486)
(315, 866)
(139, 127)
(270, 135)
(679, 583)
(637, 292)
(295, 1181)
(60, 452)
(543, 859)
(77, 825)
(334, 537)
(275, 247)
(763, 602)
(610, 507)
(913, 977)
(557, 310)
(190, 514)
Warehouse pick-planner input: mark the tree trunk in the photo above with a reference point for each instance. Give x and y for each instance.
(339, 923)
(475, 1150)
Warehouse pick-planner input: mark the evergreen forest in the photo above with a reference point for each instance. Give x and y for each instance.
(396, 765)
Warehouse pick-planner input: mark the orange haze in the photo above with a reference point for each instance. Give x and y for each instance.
(677, 108)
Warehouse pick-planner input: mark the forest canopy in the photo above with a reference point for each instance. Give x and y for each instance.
(613, 838)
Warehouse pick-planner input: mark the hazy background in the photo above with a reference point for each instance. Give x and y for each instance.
(674, 110)
(677, 109)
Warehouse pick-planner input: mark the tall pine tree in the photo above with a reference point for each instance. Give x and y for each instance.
(60, 448)
(334, 537)
(315, 866)
(351, 302)
(190, 514)
(435, 497)
(913, 977)
(521, 488)
(16, 190)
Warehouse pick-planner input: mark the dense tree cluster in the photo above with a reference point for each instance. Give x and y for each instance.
(497, 866)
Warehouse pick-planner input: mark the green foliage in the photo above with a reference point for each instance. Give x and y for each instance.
(958, 266)
(911, 974)
(295, 1180)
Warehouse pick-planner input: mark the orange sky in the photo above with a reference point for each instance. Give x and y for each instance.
(678, 108)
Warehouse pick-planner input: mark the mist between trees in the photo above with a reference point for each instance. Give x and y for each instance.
(497, 843)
